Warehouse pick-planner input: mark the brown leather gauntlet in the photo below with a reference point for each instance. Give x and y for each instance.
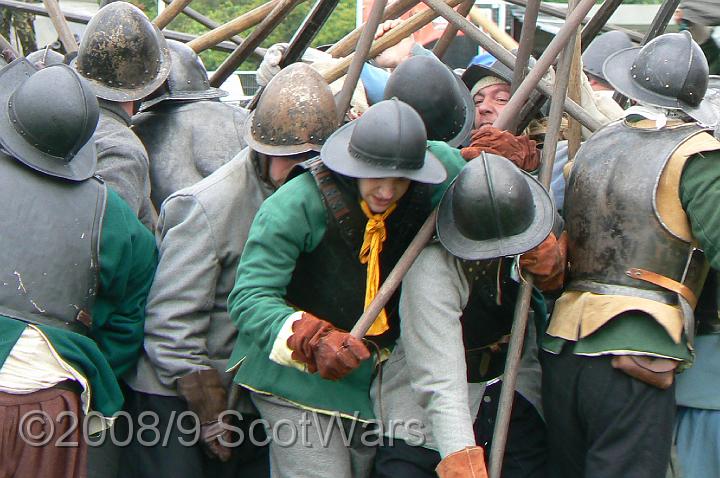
(207, 398)
(467, 463)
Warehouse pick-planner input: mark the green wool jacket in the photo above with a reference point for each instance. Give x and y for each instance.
(128, 258)
(700, 196)
(291, 222)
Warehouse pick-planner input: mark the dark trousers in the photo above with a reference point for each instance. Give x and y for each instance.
(525, 453)
(526, 446)
(400, 460)
(601, 422)
(172, 459)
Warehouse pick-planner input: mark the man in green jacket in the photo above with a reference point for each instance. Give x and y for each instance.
(76, 268)
(315, 256)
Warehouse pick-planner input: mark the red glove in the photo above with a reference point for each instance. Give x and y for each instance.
(324, 348)
(521, 150)
(547, 262)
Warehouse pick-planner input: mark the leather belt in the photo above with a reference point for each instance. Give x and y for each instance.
(664, 282)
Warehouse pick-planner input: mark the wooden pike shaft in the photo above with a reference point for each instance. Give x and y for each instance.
(492, 29)
(527, 40)
(597, 22)
(346, 44)
(522, 307)
(443, 43)
(211, 24)
(170, 12)
(361, 53)
(389, 39)
(6, 49)
(233, 27)
(243, 51)
(61, 26)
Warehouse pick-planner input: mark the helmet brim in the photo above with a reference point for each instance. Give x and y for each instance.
(336, 155)
(274, 150)
(83, 164)
(209, 94)
(475, 73)
(464, 248)
(464, 133)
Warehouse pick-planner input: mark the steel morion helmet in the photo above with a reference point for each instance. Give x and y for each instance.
(49, 132)
(122, 54)
(493, 209)
(388, 140)
(295, 114)
(437, 94)
(669, 72)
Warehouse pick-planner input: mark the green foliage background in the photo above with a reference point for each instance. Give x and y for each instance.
(341, 22)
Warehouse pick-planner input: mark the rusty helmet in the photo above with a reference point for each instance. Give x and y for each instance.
(122, 54)
(295, 114)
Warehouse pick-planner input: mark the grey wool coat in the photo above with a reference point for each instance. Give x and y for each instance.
(201, 233)
(123, 161)
(424, 397)
(188, 141)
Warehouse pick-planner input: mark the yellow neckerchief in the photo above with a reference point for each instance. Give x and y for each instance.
(375, 235)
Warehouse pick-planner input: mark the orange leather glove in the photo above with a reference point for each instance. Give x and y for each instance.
(547, 262)
(521, 150)
(338, 353)
(324, 348)
(304, 330)
(467, 463)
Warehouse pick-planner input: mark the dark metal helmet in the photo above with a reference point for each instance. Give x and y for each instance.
(188, 79)
(122, 54)
(601, 48)
(45, 57)
(49, 132)
(493, 209)
(295, 114)
(388, 140)
(669, 72)
(440, 97)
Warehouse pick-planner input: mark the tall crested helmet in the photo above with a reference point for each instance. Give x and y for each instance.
(388, 140)
(188, 78)
(295, 114)
(122, 54)
(669, 72)
(437, 94)
(493, 209)
(48, 132)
